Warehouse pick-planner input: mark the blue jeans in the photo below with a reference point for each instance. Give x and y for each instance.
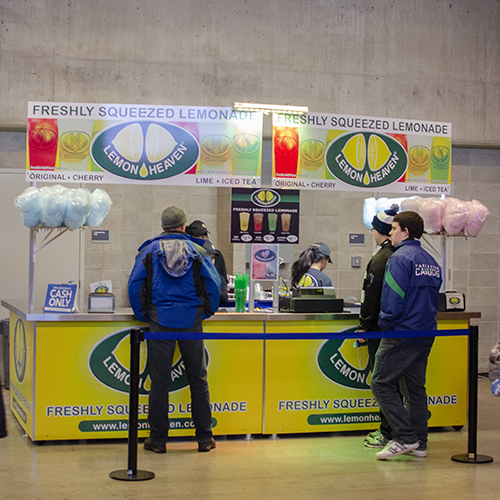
(397, 358)
(161, 353)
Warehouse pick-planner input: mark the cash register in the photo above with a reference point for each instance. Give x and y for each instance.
(312, 299)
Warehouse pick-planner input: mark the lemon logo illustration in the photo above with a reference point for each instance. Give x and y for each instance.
(313, 150)
(20, 350)
(145, 150)
(366, 159)
(441, 156)
(109, 362)
(42, 138)
(159, 143)
(419, 159)
(355, 151)
(356, 357)
(75, 143)
(246, 144)
(340, 362)
(216, 145)
(265, 198)
(378, 153)
(129, 142)
(306, 280)
(122, 354)
(285, 145)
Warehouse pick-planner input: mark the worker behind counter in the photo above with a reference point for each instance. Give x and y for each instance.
(308, 269)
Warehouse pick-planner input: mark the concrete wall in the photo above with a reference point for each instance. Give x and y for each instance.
(428, 60)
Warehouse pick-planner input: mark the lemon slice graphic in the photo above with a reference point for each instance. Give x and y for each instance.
(378, 153)
(122, 354)
(129, 142)
(159, 143)
(262, 196)
(356, 357)
(355, 151)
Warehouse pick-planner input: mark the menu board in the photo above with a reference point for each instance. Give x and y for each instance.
(265, 215)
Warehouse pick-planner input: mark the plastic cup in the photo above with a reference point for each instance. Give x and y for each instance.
(257, 221)
(244, 219)
(285, 222)
(240, 299)
(272, 219)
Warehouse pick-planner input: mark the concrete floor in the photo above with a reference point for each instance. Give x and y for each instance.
(310, 467)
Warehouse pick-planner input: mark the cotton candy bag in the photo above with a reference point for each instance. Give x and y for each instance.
(476, 217)
(455, 215)
(100, 205)
(54, 205)
(29, 206)
(431, 210)
(78, 208)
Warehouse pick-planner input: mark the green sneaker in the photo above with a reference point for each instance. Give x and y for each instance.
(375, 440)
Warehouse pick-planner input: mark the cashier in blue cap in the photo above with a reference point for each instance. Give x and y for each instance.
(308, 269)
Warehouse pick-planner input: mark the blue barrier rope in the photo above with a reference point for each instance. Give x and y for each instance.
(301, 336)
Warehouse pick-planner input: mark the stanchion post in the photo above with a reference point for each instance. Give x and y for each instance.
(132, 474)
(471, 457)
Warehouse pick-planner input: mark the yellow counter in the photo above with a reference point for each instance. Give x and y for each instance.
(70, 372)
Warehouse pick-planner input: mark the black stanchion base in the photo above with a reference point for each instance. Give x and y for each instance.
(123, 475)
(478, 459)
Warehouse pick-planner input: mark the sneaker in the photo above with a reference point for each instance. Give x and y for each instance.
(420, 452)
(375, 440)
(207, 445)
(156, 447)
(393, 449)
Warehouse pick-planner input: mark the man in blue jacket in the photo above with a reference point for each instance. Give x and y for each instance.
(410, 299)
(175, 283)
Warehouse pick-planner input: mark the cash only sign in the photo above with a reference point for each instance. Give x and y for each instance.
(358, 153)
(124, 144)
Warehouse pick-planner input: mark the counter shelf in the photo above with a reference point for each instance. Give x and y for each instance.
(69, 375)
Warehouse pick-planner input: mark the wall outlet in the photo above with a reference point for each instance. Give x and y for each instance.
(356, 262)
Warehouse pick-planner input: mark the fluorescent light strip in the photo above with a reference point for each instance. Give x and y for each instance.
(270, 108)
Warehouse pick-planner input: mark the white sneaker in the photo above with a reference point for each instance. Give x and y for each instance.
(420, 452)
(393, 449)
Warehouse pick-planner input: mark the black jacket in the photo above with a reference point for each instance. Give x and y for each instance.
(372, 288)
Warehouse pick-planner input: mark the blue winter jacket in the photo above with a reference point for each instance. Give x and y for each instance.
(410, 293)
(174, 282)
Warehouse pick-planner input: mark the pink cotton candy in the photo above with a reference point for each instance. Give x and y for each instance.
(455, 215)
(432, 210)
(476, 218)
(410, 204)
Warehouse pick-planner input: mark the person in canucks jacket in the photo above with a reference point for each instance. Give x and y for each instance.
(174, 286)
(410, 300)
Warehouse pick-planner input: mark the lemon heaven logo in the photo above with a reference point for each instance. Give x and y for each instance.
(365, 159)
(109, 362)
(20, 350)
(265, 198)
(145, 150)
(344, 364)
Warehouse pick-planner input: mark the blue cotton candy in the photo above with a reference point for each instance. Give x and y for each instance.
(55, 204)
(100, 205)
(78, 208)
(29, 206)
